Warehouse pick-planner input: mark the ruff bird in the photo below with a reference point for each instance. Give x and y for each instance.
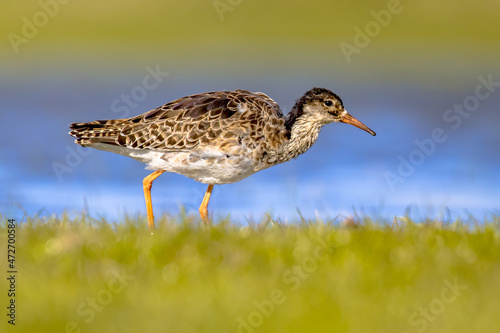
(217, 137)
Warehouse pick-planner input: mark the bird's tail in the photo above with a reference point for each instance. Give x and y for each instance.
(98, 131)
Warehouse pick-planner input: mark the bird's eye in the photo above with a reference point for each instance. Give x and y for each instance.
(328, 103)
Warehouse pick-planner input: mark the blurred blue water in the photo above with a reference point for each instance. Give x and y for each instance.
(345, 172)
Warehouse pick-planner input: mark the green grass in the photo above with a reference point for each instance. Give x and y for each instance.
(85, 275)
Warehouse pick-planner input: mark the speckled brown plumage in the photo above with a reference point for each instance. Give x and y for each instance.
(227, 120)
(217, 137)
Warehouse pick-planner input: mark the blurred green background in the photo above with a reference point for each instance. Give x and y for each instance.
(82, 275)
(453, 37)
(427, 58)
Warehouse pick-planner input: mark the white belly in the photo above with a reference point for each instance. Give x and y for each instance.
(209, 167)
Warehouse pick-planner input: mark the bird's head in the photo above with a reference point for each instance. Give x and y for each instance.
(322, 106)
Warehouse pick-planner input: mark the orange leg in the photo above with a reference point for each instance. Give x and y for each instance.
(204, 204)
(147, 183)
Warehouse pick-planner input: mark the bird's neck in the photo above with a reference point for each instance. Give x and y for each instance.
(303, 134)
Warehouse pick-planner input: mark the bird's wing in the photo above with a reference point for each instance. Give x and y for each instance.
(221, 118)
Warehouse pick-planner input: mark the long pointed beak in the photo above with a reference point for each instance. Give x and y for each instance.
(348, 119)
